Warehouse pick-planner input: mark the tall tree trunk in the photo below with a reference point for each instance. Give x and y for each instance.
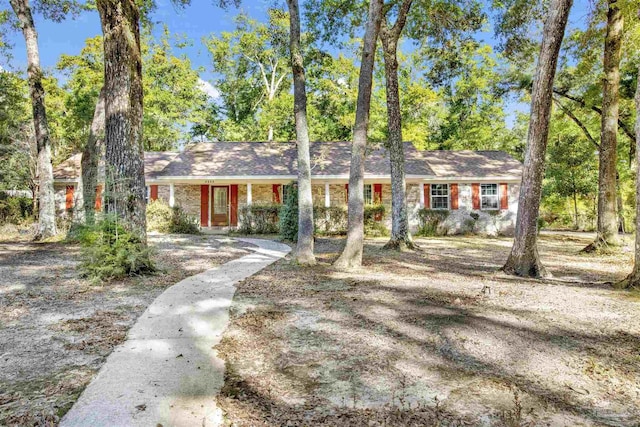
(46, 206)
(633, 279)
(524, 259)
(304, 249)
(607, 216)
(92, 157)
(400, 237)
(352, 254)
(575, 211)
(125, 184)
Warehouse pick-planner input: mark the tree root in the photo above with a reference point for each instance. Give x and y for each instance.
(631, 282)
(600, 246)
(521, 267)
(401, 245)
(305, 259)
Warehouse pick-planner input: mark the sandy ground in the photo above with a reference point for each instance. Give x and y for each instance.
(56, 328)
(437, 337)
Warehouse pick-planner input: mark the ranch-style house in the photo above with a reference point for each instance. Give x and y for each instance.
(213, 180)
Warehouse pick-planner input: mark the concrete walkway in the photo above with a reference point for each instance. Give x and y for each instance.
(166, 372)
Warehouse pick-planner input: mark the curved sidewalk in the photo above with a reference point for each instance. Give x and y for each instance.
(166, 372)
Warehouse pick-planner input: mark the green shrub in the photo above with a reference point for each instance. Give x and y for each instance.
(288, 216)
(469, 226)
(430, 221)
(330, 221)
(183, 223)
(372, 226)
(259, 219)
(334, 220)
(165, 219)
(158, 216)
(110, 252)
(373, 211)
(14, 209)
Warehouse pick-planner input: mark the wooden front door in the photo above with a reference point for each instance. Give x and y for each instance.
(220, 206)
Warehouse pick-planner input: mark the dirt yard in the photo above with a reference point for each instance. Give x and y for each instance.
(56, 328)
(438, 337)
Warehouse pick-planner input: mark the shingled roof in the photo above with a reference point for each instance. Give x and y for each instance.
(328, 159)
(252, 159)
(154, 162)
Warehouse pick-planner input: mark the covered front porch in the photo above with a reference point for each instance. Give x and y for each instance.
(218, 204)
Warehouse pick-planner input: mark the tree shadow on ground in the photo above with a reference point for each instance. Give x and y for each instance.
(424, 322)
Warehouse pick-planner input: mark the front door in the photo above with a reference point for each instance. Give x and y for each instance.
(220, 206)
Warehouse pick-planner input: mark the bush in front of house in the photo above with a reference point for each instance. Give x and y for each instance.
(430, 222)
(259, 219)
(288, 215)
(165, 219)
(330, 221)
(373, 221)
(109, 251)
(15, 209)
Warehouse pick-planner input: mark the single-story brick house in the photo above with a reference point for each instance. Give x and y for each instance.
(212, 181)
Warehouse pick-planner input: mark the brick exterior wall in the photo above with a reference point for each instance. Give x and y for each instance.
(338, 194)
(163, 193)
(491, 223)
(458, 221)
(61, 200)
(262, 194)
(317, 193)
(188, 198)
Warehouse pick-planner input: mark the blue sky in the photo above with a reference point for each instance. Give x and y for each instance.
(195, 21)
(199, 19)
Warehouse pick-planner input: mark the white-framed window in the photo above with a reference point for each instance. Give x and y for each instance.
(148, 194)
(440, 196)
(368, 194)
(489, 198)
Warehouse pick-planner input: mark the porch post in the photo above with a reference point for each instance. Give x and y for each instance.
(248, 193)
(327, 196)
(172, 199)
(422, 194)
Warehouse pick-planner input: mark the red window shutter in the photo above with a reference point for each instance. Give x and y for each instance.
(427, 196)
(204, 205)
(475, 196)
(377, 198)
(69, 197)
(454, 195)
(234, 204)
(504, 196)
(154, 192)
(98, 204)
(346, 189)
(276, 193)
(377, 193)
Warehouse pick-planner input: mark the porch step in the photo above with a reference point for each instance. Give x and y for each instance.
(215, 230)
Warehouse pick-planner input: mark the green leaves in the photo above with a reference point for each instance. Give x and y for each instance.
(173, 99)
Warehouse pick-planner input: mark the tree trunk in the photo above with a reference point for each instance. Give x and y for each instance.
(633, 279)
(400, 237)
(304, 248)
(46, 205)
(352, 254)
(125, 184)
(524, 259)
(92, 157)
(575, 202)
(607, 216)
